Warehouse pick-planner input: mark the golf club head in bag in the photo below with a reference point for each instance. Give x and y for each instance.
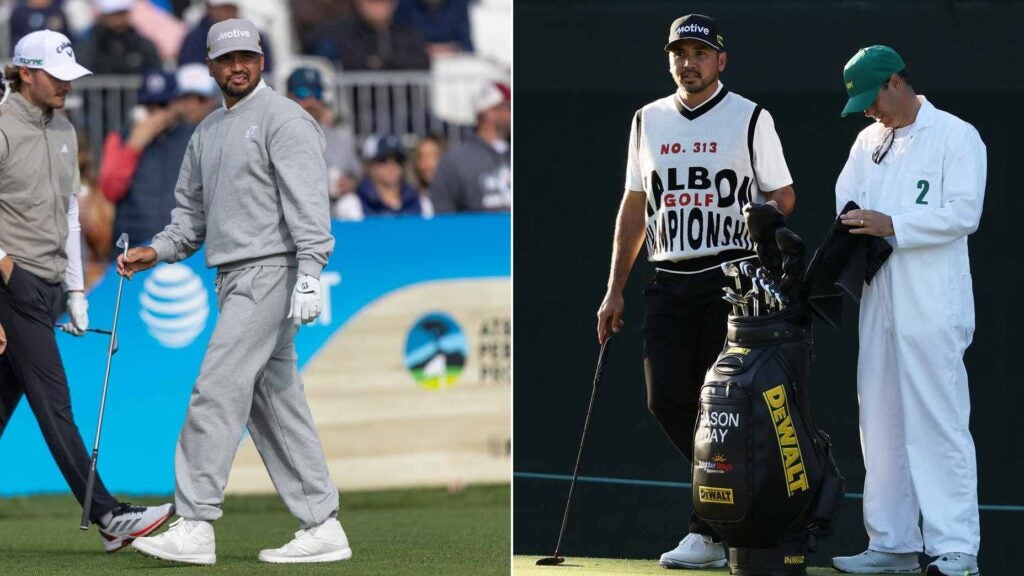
(762, 221)
(792, 248)
(557, 558)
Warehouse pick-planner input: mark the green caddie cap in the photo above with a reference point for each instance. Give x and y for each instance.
(865, 73)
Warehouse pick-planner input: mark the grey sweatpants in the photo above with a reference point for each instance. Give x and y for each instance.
(249, 376)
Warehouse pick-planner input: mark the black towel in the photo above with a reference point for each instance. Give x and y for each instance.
(841, 265)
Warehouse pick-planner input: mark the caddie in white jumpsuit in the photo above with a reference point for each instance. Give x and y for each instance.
(918, 174)
(253, 188)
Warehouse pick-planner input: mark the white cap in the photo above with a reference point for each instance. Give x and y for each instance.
(195, 78)
(50, 51)
(491, 94)
(111, 6)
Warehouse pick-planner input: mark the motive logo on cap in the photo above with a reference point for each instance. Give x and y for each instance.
(236, 33)
(692, 28)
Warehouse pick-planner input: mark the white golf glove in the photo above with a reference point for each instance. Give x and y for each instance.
(78, 312)
(306, 302)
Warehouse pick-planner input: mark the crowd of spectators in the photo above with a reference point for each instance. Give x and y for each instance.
(131, 188)
(353, 34)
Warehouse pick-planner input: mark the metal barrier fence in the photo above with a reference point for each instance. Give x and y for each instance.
(366, 102)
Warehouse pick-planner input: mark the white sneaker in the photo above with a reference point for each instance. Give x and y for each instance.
(954, 564)
(128, 522)
(695, 551)
(188, 541)
(324, 543)
(875, 562)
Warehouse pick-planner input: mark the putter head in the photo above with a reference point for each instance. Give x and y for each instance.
(122, 240)
(552, 561)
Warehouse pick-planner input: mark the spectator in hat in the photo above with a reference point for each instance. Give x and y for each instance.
(476, 175)
(114, 46)
(444, 24)
(193, 48)
(198, 94)
(140, 164)
(305, 86)
(373, 40)
(384, 191)
(33, 15)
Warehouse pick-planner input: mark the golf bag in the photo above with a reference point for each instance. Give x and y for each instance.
(763, 476)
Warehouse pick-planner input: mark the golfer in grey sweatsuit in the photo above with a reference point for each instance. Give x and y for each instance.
(253, 186)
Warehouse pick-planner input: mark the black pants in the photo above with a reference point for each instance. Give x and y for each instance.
(32, 367)
(684, 329)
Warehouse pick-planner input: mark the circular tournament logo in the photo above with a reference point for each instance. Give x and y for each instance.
(435, 351)
(175, 305)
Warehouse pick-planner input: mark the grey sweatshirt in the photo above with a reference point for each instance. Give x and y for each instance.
(253, 186)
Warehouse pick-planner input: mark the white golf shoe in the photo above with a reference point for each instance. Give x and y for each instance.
(875, 562)
(188, 541)
(126, 522)
(954, 564)
(324, 543)
(695, 551)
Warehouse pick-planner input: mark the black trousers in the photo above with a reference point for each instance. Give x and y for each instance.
(684, 329)
(32, 367)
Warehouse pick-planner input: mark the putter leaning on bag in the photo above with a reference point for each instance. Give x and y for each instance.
(122, 243)
(557, 558)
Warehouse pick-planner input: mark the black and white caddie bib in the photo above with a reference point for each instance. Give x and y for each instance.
(697, 169)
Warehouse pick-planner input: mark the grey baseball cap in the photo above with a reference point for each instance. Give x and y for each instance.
(235, 35)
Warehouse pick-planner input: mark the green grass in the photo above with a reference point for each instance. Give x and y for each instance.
(525, 566)
(421, 532)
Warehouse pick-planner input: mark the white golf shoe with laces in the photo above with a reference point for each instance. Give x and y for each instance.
(187, 541)
(324, 543)
(954, 564)
(126, 522)
(875, 562)
(695, 551)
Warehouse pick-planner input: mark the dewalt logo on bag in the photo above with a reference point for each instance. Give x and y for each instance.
(789, 446)
(715, 495)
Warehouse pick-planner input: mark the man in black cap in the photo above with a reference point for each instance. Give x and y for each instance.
(696, 158)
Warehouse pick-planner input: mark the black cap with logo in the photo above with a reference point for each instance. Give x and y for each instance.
(696, 27)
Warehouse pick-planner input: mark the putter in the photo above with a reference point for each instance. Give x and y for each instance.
(557, 558)
(122, 243)
(64, 328)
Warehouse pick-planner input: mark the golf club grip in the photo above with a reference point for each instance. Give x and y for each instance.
(89, 484)
(601, 360)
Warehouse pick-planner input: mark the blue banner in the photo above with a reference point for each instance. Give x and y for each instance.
(167, 316)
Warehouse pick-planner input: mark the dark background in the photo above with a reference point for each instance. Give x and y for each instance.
(582, 69)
